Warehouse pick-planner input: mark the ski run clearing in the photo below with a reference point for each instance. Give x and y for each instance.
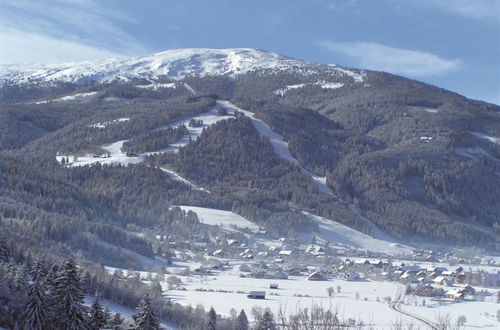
(323, 84)
(74, 97)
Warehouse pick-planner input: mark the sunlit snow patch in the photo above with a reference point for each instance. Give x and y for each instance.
(74, 97)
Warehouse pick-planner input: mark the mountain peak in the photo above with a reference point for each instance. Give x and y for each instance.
(167, 65)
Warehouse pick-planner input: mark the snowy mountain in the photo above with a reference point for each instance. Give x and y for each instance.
(168, 65)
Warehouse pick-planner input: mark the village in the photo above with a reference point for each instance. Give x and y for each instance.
(238, 265)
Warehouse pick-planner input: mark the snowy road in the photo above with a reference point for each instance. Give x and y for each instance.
(396, 306)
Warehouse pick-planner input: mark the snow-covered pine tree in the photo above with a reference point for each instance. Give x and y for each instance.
(97, 318)
(242, 321)
(37, 303)
(117, 322)
(69, 308)
(212, 319)
(266, 322)
(107, 315)
(144, 317)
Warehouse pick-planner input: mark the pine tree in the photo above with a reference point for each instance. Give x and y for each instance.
(144, 317)
(97, 318)
(116, 323)
(212, 319)
(70, 311)
(36, 304)
(107, 315)
(266, 322)
(242, 321)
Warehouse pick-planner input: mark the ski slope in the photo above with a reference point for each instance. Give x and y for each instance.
(278, 143)
(334, 232)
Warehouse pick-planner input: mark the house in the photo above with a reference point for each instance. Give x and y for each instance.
(468, 289)
(257, 295)
(316, 276)
(454, 295)
(351, 276)
(361, 261)
(377, 263)
(273, 286)
(441, 280)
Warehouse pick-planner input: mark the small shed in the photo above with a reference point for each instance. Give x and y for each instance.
(257, 295)
(273, 286)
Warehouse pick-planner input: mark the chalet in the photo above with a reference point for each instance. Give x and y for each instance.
(468, 289)
(316, 276)
(362, 261)
(441, 280)
(377, 263)
(454, 295)
(257, 295)
(273, 286)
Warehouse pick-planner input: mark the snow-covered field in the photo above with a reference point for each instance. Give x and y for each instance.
(116, 156)
(478, 314)
(209, 118)
(227, 290)
(225, 219)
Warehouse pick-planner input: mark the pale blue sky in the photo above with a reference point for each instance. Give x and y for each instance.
(453, 44)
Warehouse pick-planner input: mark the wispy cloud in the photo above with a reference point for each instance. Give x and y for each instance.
(74, 28)
(374, 56)
(477, 9)
(20, 47)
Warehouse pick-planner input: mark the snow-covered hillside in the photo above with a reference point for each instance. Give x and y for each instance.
(164, 66)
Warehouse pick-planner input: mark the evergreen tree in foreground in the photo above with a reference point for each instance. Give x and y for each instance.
(212, 319)
(36, 304)
(145, 318)
(97, 317)
(266, 322)
(116, 323)
(70, 311)
(242, 321)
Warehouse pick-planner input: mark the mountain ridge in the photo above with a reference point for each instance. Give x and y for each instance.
(172, 64)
